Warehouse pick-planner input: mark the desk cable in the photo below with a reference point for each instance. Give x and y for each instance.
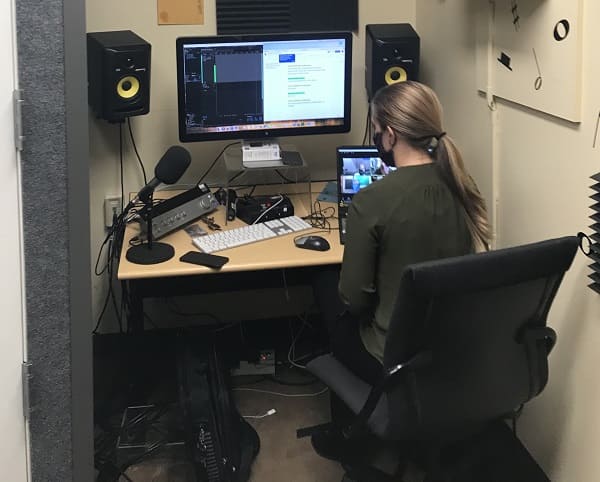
(319, 217)
(262, 215)
(137, 154)
(215, 161)
(114, 239)
(367, 134)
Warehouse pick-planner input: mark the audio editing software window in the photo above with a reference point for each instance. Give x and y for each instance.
(264, 85)
(223, 85)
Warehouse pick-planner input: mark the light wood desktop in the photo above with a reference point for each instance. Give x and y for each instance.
(273, 253)
(254, 264)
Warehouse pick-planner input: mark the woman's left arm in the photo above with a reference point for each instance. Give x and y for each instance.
(357, 278)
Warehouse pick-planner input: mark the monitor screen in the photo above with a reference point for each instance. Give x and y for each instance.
(263, 86)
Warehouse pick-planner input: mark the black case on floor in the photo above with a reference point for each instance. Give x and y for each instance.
(220, 442)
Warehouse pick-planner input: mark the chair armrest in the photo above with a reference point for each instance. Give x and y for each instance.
(538, 342)
(532, 334)
(390, 377)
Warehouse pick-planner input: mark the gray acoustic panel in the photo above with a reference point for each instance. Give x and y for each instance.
(44, 185)
(595, 236)
(279, 16)
(55, 186)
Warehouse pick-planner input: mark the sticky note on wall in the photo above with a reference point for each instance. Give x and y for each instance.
(180, 12)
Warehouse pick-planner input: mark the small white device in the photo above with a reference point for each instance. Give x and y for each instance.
(261, 154)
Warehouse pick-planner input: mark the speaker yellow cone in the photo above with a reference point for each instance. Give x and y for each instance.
(128, 87)
(395, 74)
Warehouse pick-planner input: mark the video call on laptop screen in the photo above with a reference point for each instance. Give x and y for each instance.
(357, 168)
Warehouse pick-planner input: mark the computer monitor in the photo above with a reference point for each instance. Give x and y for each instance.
(263, 86)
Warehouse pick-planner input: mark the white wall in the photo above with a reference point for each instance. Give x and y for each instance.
(542, 179)
(155, 132)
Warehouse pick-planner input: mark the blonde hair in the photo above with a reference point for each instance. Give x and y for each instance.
(413, 111)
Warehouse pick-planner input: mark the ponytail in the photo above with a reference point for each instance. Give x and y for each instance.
(448, 158)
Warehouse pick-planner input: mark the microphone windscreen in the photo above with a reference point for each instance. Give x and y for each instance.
(172, 165)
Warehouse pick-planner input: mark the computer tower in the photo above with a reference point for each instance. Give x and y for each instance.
(118, 74)
(391, 55)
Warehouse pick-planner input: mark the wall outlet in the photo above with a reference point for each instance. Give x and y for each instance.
(112, 208)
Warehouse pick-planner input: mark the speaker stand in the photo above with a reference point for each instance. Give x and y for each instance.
(150, 252)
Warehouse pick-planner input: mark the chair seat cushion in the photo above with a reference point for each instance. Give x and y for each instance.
(351, 390)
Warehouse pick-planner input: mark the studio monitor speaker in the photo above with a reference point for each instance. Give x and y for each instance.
(391, 55)
(118, 74)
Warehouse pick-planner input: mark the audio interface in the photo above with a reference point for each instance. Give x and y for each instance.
(176, 212)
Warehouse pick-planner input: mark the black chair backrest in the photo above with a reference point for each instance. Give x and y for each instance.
(474, 315)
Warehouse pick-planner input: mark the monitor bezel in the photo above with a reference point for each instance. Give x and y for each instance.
(185, 136)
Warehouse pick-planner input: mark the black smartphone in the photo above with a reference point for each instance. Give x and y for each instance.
(204, 259)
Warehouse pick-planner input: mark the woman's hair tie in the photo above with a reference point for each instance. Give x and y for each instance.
(434, 143)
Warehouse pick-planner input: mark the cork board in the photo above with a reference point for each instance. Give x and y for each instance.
(180, 12)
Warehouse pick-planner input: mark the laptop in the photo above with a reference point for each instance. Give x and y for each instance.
(357, 167)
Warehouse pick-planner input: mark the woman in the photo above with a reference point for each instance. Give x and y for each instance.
(428, 208)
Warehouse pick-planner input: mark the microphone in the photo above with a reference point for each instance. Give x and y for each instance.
(168, 170)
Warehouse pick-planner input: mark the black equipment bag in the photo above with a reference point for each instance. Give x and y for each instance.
(221, 444)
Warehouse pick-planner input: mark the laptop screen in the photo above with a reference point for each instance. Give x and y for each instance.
(358, 166)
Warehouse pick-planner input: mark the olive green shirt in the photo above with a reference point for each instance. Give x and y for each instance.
(407, 217)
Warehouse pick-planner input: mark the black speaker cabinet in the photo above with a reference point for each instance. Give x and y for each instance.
(118, 74)
(391, 55)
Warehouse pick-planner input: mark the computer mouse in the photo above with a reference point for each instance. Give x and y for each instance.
(316, 243)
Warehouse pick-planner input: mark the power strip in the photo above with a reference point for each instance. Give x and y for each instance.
(264, 366)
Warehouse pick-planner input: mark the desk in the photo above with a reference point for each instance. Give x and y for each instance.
(267, 257)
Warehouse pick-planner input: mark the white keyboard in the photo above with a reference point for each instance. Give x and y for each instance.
(252, 233)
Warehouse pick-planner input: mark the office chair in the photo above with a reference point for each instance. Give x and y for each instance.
(467, 346)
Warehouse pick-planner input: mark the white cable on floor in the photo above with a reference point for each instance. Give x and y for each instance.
(270, 412)
(294, 395)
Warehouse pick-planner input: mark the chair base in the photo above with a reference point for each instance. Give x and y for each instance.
(332, 445)
(353, 454)
(366, 473)
(495, 454)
